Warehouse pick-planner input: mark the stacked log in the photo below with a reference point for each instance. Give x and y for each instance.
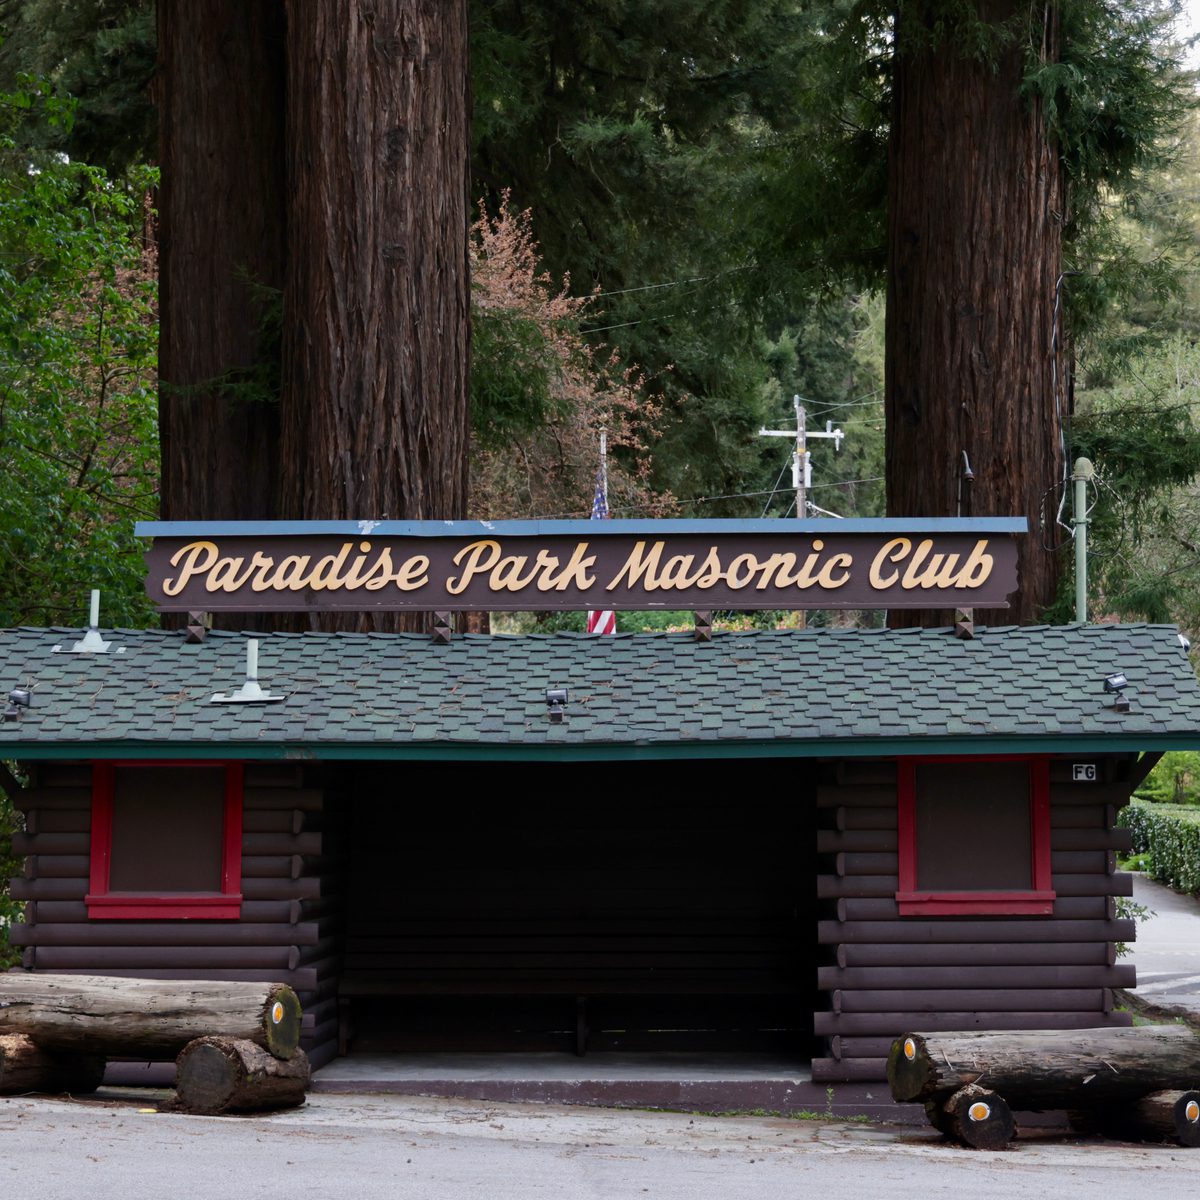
(26, 1067)
(216, 1075)
(1137, 1079)
(239, 1042)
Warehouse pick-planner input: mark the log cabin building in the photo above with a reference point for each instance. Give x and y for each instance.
(802, 841)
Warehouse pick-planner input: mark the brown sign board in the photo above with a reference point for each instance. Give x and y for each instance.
(575, 565)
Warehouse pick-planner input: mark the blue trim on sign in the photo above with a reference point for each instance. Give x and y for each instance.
(724, 526)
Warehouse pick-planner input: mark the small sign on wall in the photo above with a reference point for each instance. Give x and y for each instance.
(1084, 772)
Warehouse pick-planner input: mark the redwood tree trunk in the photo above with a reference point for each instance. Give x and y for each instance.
(374, 399)
(221, 241)
(974, 260)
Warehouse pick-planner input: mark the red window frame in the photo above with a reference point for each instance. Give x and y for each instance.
(1035, 901)
(223, 905)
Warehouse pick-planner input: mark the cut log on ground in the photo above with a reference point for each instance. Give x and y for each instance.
(25, 1067)
(1168, 1116)
(145, 1018)
(1069, 1069)
(217, 1075)
(978, 1118)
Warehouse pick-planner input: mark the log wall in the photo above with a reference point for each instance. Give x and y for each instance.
(289, 930)
(884, 974)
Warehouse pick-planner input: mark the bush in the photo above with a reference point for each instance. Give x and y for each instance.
(1174, 780)
(10, 910)
(1170, 835)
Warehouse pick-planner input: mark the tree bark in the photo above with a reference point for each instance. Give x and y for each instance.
(221, 245)
(1047, 1070)
(145, 1018)
(973, 364)
(1167, 1116)
(26, 1067)
(376, 303)
(219, 1075)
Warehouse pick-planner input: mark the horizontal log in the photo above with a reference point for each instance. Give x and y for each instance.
(1120, 884)
(79, 796)
(1171, 1115)
(832, 841)
(831, 887)
(127, 1018)
(26, 1067)
(830, 933)
(58, 866)
(878, 795)
(848, 1070)
(916, 977)
(1012, 999)
(826, 1024)
(1070, 908)
(217, 1075)
(1040, 1070)
(49, 889)
(1090, 795)
(860, 1047)
(1090, 839)
(1083, 862)
(304, 799)
(308, 887)
(867, 816)
(51, 843)
(166, 933)
(308, 844)
(150, 958)
(858, 772)
(276, 820)
(58, 820)
(858, 863)
(272, 866)
(967, 954)
(1075, 816)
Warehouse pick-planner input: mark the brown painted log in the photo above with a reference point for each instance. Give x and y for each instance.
(154, 933)
(277, 820)
(977, 953)
(867, 795)
(144, 1018)
(306, 888)
(58, 820)
(867, 817)
(1166, 1116)
(1090, 839)
(1072, 816)
(1083, 862)
(26, 1067)
(1120, 884)
(281, 843)
(831, 841)
(999, 930)
(997, 999)
(978, 1117)
(59, 866)
(832, 887)
(48, 889)
(222, 1075)
(1039, 1070)
(853, 862)
(36, 799)
(79, 842)
(273, 960)
(826, 1024)
(971, 976)
(305, 799)
(860, 1047)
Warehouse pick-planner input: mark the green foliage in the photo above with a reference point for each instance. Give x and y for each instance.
(1170, 835)
(78, 345)
(10, 866)
(1174, 780)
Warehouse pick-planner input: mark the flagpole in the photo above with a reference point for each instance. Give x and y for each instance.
(604, 463)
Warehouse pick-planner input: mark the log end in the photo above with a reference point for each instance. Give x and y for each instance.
(908, 1069)
(281, 1021)
(979, 1118)
(216, 1075)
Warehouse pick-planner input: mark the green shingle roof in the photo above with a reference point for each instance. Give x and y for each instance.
(785, 692)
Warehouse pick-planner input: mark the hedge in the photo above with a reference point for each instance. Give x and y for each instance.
(1170, 834)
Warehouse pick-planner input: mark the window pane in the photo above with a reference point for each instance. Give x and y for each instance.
(168, 829)
(973, 827)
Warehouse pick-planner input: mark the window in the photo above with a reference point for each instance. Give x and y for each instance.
(166, 840)
(974, 837)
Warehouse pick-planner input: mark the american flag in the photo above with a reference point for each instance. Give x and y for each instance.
(601, 622)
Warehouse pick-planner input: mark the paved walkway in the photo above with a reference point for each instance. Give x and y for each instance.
(1167, 950)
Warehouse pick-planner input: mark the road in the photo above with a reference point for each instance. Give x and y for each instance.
(363, 1147)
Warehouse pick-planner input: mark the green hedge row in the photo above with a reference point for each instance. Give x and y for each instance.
(1170, 834)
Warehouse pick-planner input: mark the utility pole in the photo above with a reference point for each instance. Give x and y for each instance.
(801, 459)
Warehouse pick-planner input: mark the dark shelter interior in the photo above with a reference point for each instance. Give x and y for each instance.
(584, 906)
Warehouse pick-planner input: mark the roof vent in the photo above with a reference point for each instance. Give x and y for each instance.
(91, 642)
(249, 692)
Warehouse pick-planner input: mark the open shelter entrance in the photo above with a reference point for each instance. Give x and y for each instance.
(622, 906)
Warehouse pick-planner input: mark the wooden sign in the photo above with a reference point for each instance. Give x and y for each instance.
(541, 565)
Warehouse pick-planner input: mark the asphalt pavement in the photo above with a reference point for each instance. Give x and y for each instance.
(1167, 949)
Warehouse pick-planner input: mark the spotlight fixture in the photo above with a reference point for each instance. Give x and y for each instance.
(556, 704)
(1115, 683)
(18, 699)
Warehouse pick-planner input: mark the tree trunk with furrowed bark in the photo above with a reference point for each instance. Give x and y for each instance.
(377, 298)
(974, 374)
